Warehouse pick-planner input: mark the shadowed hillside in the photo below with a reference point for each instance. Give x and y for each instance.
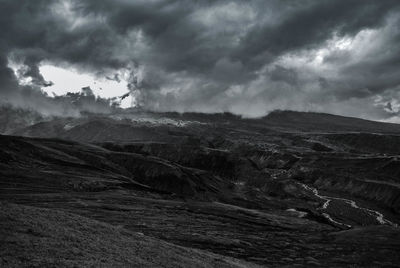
(256, 190)
(49, 237)
(310, 122)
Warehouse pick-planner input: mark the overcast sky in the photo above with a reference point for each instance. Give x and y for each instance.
(246, 57)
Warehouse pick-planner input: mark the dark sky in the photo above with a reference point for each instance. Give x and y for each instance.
(246, 57)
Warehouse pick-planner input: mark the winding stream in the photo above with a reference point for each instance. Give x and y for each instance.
(377, 215)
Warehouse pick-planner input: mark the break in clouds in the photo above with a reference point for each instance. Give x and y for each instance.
(245, 57)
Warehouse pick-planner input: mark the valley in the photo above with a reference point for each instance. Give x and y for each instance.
(242, 192)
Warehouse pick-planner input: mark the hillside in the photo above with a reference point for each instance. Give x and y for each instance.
(48, 237)
(243, 189)
(322, 122)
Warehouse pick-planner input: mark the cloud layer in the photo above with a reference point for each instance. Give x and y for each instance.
(246, 57)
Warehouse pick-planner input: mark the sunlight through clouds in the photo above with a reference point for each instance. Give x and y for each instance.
(70, 80)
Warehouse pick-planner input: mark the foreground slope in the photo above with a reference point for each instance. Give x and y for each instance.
(32, 237)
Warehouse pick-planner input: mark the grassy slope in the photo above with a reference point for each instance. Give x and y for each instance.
(47, 238)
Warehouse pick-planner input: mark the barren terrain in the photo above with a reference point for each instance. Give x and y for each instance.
(194, 190)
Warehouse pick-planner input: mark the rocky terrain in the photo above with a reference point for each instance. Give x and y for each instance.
(151, 189)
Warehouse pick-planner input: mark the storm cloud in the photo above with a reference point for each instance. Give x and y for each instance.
(245, 57)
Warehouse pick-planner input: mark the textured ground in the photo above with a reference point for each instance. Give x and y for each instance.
(33, 237)
(186, 188)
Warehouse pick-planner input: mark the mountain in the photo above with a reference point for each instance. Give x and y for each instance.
(288, 189)
(159, 126)
(309, 121)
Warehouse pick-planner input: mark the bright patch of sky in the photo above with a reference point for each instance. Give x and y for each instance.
(70, 80)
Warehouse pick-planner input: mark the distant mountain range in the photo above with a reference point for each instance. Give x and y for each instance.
(29, 123)
(310, 121)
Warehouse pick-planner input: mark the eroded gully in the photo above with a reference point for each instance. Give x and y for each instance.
(327, 200)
